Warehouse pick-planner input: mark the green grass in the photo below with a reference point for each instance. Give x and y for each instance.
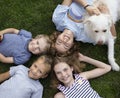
(35, 16)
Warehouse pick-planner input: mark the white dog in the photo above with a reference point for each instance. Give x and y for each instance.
(98, 27)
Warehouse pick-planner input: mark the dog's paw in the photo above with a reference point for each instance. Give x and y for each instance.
(115, 67)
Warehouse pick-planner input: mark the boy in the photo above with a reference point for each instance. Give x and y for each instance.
(18, 46)
(23, 82)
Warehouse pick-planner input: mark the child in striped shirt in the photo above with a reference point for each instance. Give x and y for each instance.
(73, 84)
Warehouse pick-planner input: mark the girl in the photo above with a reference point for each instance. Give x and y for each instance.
(73, 84)
(22, 82)
(68, 18)
(18, 46)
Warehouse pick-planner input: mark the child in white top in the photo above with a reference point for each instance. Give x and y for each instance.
(23, 82)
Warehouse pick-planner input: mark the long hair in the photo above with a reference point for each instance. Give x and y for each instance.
(72, 61)
(54, 51)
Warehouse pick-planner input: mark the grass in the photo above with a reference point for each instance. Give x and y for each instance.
(35, 16)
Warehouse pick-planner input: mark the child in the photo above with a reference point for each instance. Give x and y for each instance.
(74, 84)
(22, 82)
(68, 18)
(18, 46)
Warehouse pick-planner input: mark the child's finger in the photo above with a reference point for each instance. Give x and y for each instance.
(0, 38)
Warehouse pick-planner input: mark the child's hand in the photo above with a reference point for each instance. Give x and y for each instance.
(103, 9)
(1, 57)
(92, 10)
(1, 37)
(80, 57)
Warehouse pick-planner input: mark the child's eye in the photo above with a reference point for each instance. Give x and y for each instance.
(37, 43)
(65, 69)
(59, 41)
(57, 73)
(35, 66)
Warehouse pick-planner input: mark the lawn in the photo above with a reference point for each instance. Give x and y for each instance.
(35, 16)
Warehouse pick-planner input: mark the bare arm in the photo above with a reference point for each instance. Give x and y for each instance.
(89, 8)
(9, 30)
(6, 59)
(66, 2)
(101, 68)
(4, 76)
(59, 95)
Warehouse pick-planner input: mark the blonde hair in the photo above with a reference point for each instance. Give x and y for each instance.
(47, 39)
(47, 60)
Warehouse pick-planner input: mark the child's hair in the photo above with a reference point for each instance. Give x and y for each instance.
(72, 61)
(54, 51)
(48, 61)
(48, 41)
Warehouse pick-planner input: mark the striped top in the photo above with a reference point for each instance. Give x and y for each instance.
(79, 89)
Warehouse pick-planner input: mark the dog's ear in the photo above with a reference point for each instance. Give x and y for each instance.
(87, 21)
(109, 18)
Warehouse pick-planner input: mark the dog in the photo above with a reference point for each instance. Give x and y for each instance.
(98, 27)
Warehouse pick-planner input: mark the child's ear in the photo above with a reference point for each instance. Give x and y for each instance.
(45, 76)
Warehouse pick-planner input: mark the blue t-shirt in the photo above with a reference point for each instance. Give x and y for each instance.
(19, 85)
(16, 46)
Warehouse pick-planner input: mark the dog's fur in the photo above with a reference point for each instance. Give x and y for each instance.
(98, 27)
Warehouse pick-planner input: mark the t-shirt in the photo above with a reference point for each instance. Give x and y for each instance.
(16, 46)
(19, 85)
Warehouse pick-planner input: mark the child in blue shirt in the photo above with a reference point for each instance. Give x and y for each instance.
(16, 46)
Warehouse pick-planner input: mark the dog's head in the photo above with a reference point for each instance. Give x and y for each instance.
(98, 27)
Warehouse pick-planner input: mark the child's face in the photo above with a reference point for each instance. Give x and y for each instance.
(37, 70)
(64, 41)
(64, 73)
(37, 46)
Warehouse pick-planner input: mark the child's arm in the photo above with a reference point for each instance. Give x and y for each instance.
(4, 76)
(66, 2)
(9, 30)
(59, 95)
(6, 59)
(101, 69)
(89, 8)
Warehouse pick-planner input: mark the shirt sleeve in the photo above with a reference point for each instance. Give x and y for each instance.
(37, 94)
(22, 58)
(14, 69)
(25, 33)
(59, 15)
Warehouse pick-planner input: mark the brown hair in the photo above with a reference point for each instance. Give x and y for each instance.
(72, 61)
(48, 41)
(54, 51)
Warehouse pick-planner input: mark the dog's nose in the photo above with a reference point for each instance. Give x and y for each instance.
(100, 42)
